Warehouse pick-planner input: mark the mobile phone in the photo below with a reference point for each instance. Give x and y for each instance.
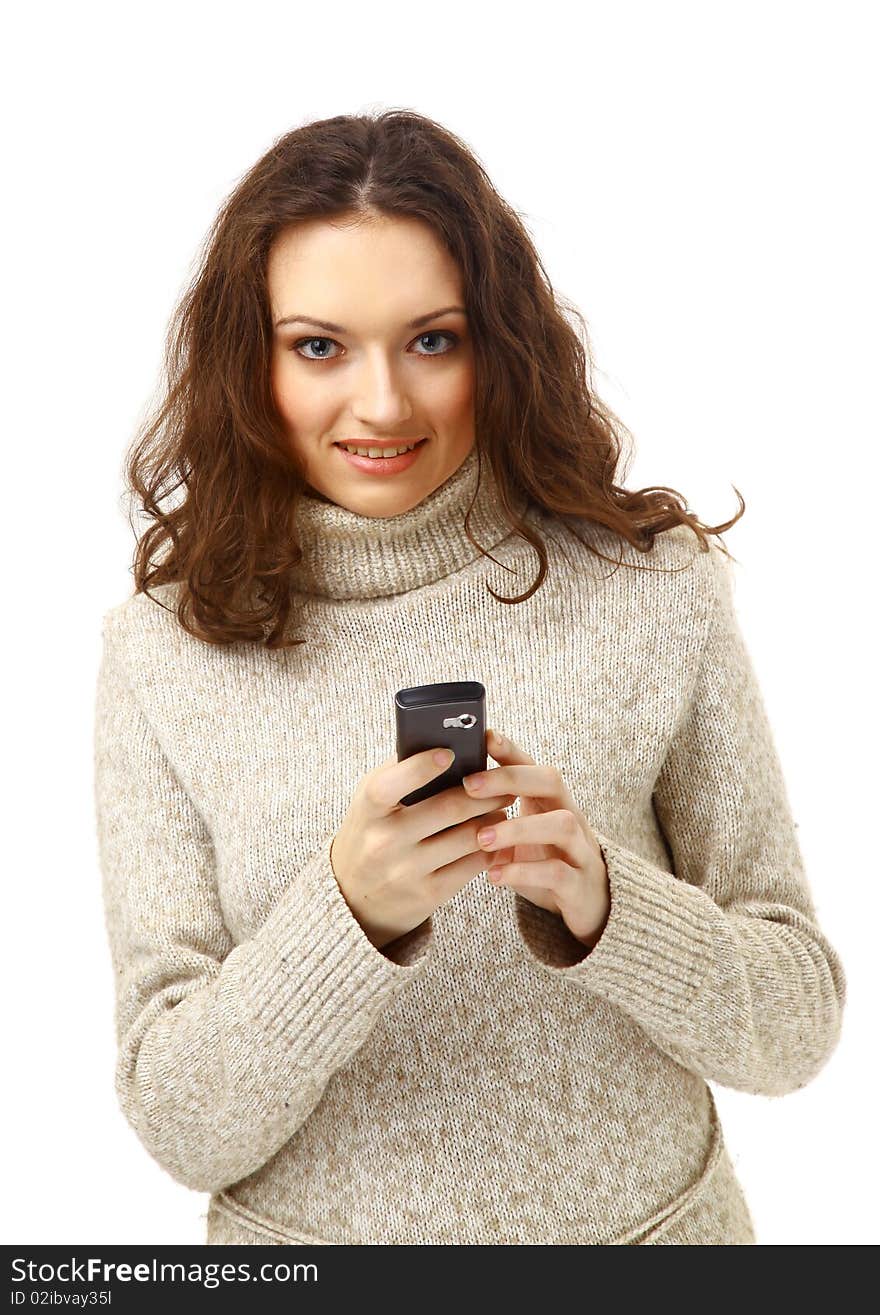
(451, 715)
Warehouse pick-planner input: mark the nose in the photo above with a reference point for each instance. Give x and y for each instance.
(381, 402)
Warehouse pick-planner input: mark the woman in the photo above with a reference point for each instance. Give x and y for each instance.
(332, 1016)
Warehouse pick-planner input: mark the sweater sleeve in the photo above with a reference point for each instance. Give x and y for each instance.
(722, 961)
(224, 1049)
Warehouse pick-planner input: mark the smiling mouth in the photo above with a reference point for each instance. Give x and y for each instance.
(389, 447)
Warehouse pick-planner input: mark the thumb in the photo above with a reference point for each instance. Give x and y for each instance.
(497, 745)
(505, 751)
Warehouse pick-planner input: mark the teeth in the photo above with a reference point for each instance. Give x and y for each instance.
(377, 451)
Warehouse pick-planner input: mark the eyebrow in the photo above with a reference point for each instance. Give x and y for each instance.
(337, 328)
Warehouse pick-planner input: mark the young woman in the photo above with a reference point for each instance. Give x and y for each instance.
(490, 1016)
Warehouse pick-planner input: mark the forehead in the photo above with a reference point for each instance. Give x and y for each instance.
(382, 269)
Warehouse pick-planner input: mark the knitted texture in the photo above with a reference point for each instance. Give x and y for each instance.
(484, 1079)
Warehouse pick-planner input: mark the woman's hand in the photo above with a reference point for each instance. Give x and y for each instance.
(549, 853)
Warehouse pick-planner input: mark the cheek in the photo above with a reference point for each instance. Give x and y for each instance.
(297, 403)
(452, 397)
(279, 385)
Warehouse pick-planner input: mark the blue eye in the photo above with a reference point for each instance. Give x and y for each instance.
(296, 346)
(435, 333)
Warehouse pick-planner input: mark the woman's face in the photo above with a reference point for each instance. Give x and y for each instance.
(369, 373)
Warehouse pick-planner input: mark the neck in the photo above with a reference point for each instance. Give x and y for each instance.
(347, 555)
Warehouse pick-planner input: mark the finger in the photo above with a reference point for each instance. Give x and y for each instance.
(559, 829)
(505, 750)
(499, 857)
(552, 874)
(530, 779)
(393, 779)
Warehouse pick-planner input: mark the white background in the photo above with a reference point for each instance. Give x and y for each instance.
(699, 180)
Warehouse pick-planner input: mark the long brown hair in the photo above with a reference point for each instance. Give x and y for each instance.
(217, 435)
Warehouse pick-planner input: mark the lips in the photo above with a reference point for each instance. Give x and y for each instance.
(381, 467)
(400, 442)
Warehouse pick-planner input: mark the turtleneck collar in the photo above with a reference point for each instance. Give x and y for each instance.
(347, 555)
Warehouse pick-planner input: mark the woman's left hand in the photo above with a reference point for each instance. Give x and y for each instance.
(549, 852)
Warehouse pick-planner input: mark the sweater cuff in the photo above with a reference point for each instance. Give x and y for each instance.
(655, 951)
(312, 978)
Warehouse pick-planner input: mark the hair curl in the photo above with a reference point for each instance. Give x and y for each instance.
(217, 434)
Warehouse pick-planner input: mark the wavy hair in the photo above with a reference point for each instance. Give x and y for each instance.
(229, 541)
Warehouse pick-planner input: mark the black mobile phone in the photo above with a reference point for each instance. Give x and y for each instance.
(451, 715)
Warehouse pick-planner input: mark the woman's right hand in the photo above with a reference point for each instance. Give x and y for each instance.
(396, 863)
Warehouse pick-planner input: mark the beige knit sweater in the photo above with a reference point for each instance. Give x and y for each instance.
(493, 1082)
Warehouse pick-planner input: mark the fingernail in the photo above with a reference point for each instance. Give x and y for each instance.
(486, 836)
(474, 782)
